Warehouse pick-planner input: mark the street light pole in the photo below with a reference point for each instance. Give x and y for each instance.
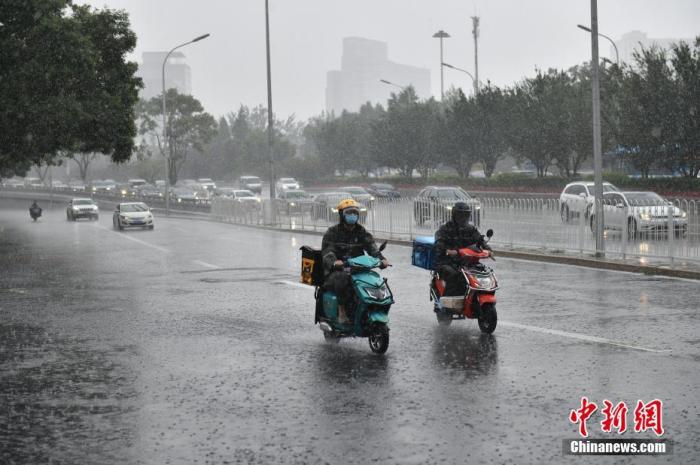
(475, 32)
(441, 35)
(597, 144)
(384, 81)
(165, 125)
(462, 70)
(270, 128)
(617, 53)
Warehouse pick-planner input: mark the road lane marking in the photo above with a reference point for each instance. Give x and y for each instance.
(295, 284)
(206, 265)
(133, 239)
(582, 337)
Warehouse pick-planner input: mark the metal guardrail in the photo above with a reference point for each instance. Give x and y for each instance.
(527, 223)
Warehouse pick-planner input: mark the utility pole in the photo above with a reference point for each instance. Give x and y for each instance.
(475, 33)
(597, 144)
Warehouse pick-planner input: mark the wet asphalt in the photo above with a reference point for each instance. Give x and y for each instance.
(194, 343)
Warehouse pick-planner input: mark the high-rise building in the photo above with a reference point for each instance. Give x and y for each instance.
(635, 40)
(363, 64)
(177, 74)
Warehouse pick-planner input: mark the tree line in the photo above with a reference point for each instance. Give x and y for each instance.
(650, 114)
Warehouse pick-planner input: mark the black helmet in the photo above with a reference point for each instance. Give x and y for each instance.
(461, 209)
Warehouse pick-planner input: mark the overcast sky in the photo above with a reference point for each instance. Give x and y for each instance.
(228, 69)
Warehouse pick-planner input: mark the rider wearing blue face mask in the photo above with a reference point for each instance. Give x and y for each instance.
(347, 239)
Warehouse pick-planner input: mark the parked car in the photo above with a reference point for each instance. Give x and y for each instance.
(149, 191)
(59, 185)
(207, 183)
(293, 201)
(284, 184)
(132, 215)
(360, 194)
(33, 183)
(136, 182)
(383, 190)
(577, 199)
(82, 208)
(434, 203)
(323, 207)
(640, 212)
(251, 183)
(14, 183)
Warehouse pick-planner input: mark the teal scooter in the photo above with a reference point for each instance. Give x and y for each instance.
(368, 310)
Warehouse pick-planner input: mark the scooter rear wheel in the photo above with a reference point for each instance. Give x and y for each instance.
(488, 318)
(330, 337)
(379, 339)
(444, 319)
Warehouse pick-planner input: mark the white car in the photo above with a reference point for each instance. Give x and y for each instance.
(639, 213)
(132, 215)
(286, 184)
(82, 208)
(577, 199)
(207, 183)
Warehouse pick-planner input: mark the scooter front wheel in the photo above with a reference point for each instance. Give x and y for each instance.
(379, 339)
(488, 318)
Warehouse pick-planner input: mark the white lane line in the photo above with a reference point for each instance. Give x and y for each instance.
(295, 284)
(133, 239)
(582, 337)
(206, 265)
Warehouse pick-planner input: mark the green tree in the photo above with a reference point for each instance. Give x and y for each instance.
(685, 60)
(189, 129)
(65, 85)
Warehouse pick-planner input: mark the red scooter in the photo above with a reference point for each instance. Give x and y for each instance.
(480, 299)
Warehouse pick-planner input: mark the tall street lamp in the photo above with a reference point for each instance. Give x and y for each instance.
(165, 125)
(441, 35)
(617, 53)
(270, 129)
(389, 83)
(597, 143)
(464, 71)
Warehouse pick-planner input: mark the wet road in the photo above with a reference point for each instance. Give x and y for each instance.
(193, 343)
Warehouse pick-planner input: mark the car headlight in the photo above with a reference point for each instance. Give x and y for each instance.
(179, 200)
(371, 198)
(334, 210)
(75, 209)
(124, 192)
(683, 214)
(292, 204)
(448, 207)
(94, 189)
(258, 199)
(645, 216)
(378, 293)
(123, 217)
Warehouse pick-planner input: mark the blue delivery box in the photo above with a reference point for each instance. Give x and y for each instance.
(423, 253)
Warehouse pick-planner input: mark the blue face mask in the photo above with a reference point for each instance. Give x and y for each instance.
(351, 219)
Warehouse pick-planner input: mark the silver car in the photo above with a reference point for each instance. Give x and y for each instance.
(640, 213)
(577, 199)
(132, 215)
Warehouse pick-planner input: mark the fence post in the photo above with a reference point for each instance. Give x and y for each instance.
(671, 231)
(391, 224)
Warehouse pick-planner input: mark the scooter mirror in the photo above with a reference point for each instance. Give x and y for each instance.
(489, 233)
(382, 246)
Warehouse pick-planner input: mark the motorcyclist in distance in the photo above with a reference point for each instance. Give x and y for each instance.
(347, 239)
(453, 235)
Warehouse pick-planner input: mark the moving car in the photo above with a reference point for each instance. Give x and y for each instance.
(383, 190)
(132, 215)
(284, 184)
(293, 201)
(149, 191)
(103, 187)
(76, 186)
(136, 182)
(434, 203)
(577, 199)
(323, 207)
(59, 185)
(640, 212)
(184, 195)
(246, 199)
(82, 208)
(360, 194)
(251, 183)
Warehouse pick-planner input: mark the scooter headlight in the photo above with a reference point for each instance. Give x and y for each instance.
(378, 293)
(483, 282)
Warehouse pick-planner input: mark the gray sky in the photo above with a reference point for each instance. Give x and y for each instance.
(228, 69)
